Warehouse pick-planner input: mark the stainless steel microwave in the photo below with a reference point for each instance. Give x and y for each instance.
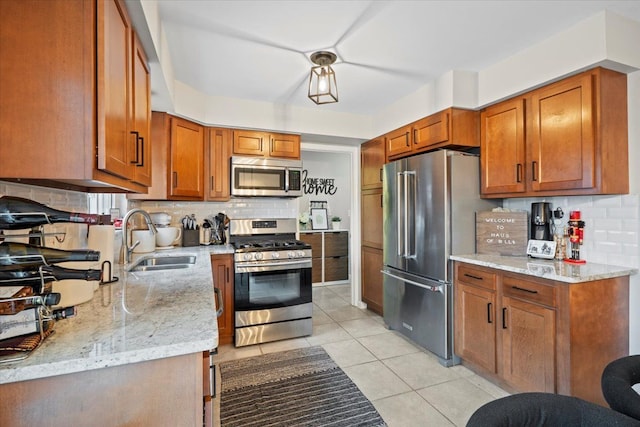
(253, 176)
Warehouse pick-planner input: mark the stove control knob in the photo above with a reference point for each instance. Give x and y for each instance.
(291, 254)
(248, 257)
(300, 254)
(258, 255)
(275, 255)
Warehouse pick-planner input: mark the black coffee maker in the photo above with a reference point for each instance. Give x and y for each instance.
(541, 221)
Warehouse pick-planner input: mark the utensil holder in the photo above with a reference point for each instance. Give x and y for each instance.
(190, 237)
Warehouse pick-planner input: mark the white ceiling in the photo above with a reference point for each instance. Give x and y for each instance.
(258, 50)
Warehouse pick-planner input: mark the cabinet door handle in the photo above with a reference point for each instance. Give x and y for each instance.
(227, 271)
(406, 137)
(141, 139)
(489, 307)
(504, 317)
(175, 179)
(473, 277)
(519, 172)
(534, 166)
(211, 182)
(517, 288)
(136, 160)
(415, 139)
(380, 174)
(381, 201)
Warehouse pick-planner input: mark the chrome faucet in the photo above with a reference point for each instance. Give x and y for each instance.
(126, 250)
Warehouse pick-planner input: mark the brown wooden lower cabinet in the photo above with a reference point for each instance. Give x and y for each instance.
(531, 334)
(169, 391)
(223, 279)
(372, 291)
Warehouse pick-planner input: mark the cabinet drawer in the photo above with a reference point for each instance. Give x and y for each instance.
(315, 240)
(530, 291)
(476, 277)
(336, 269)
(336, 244)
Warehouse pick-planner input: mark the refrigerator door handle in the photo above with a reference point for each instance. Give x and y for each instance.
(411, 282)
(407, 224)
(400, 242)
(410, 214)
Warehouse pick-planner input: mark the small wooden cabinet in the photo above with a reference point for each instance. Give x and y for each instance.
(567, 138)
(531, 334)
(371, 163)
(266, 144)
(330, 255)
(451, 128)
(219, 148)
(372, 290)
(223, 279)
(399, 142)
(92, 108)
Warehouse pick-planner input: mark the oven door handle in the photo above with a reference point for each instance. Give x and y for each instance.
(248, 268)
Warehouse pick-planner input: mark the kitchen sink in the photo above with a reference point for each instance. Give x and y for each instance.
(163, 262)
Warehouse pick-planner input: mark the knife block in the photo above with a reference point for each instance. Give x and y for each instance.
(190, 237)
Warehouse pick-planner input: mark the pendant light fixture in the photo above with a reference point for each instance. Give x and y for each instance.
(322, 81)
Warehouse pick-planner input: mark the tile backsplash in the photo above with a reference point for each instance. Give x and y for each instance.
(234, 208)
(612, 225)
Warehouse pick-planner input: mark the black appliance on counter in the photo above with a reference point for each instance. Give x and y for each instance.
(541, 220)
(272, 281)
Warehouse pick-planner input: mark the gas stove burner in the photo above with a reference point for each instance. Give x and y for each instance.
(267, 245)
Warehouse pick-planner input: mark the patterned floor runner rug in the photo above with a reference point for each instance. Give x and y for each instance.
(301, 387)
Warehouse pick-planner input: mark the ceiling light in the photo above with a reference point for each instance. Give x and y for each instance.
(322, 80)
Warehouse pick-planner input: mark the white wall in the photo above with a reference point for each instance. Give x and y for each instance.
(337, 193)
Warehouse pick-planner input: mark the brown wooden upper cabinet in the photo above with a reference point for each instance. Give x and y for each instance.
(450, 128)
(91, 109)
(186, 160)
(141, 116)
(218, 167)
(266, 144)
(371, 163)
(567, 138)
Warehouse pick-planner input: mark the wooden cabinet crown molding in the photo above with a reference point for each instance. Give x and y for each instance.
(566, 138)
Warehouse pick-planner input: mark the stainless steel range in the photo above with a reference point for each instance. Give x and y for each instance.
(272, 281)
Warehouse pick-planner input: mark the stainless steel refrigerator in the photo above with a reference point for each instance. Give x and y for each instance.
(430, 201)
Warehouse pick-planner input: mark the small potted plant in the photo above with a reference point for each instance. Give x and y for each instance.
(335, 222)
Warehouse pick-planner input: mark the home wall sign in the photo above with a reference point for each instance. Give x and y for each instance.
(318, 185)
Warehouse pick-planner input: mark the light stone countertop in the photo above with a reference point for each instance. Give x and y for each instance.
(547, 269)
(143, 316)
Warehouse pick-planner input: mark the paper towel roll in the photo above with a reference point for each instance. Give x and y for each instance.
(74, 292)
(102, 238)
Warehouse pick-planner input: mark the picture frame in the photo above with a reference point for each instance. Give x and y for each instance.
(319, 219)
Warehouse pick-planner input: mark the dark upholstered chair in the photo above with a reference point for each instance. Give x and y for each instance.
(546, 409)
(618, 378)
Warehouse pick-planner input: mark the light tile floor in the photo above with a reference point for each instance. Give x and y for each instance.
(405, 383)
